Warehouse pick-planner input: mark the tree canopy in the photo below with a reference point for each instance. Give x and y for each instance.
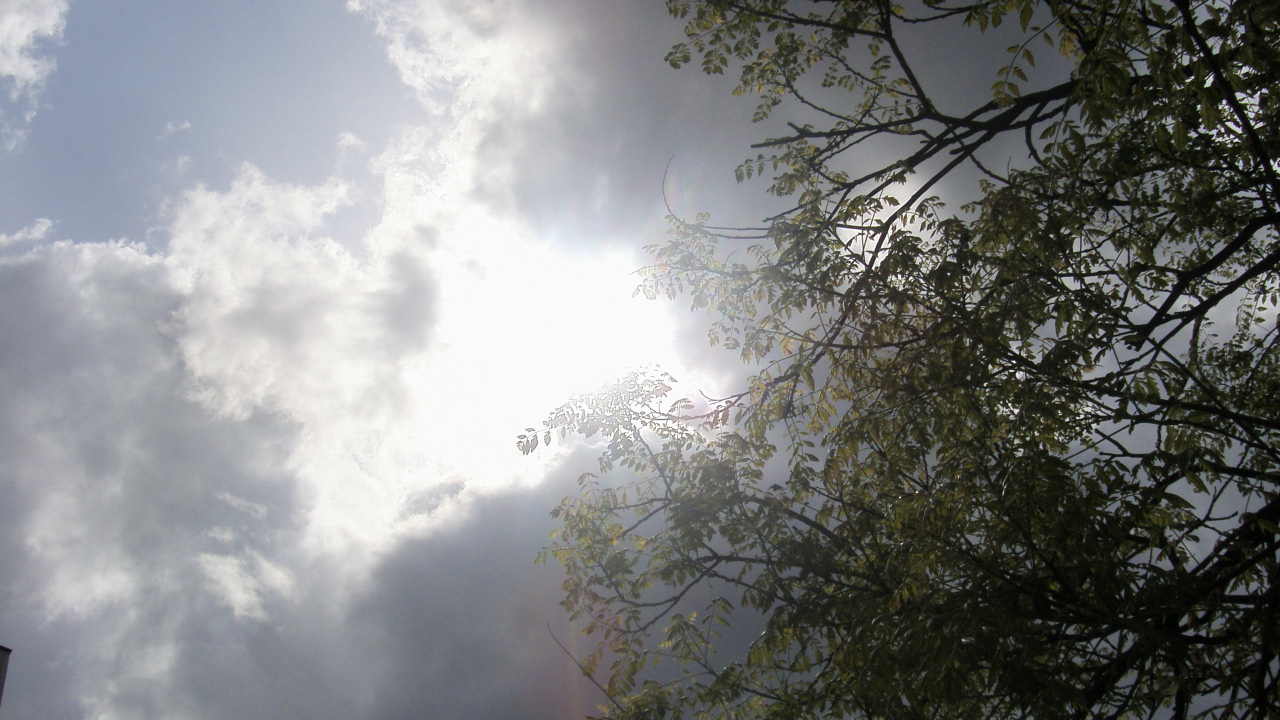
(1012, 458)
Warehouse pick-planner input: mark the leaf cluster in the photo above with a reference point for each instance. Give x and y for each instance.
(1015, 459)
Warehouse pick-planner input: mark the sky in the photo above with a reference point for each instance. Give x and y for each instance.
(282, 281)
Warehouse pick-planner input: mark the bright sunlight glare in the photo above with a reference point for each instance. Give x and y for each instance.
(523, 327)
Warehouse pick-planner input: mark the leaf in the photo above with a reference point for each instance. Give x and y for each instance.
(989, 460)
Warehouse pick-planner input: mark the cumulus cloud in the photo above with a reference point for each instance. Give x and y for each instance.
(33, 233)
(267, 469)
(27, 28)
(462, 55)
(108, 473)
(158, 561)
(278, 318)
(267, 299)
(24, 26)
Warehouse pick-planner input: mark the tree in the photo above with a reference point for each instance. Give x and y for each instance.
(1013, 459)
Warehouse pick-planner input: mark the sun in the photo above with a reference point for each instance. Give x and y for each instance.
(524, 325)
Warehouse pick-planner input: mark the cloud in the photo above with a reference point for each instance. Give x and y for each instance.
(240, 582)
(156, 555)
(33, 233)
(27, 27)
(109, 476)
(266, 468)
(461, 55)
(24, 25)
(565, 125)
(570, 117)
(267, 300)
(171, 128)
(465, 620)
(278, 318)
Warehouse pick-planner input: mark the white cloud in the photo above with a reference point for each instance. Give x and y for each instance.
(349, 142)
(172, 127)
(463, 55)
(241, 582)
(266, 299)
(248, 507)
(35, 232)
(278, 318)
(26, 28)
(155, 553)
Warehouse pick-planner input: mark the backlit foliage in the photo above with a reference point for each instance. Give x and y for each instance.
(1013, 459)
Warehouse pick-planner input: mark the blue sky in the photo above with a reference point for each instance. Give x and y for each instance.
(139, 85)
(283, 280)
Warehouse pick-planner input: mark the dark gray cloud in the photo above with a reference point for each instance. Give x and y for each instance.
(590, 162)
(463, 620)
